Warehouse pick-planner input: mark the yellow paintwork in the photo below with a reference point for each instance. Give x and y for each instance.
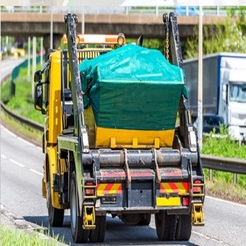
(171, 201)
(89, 219)
(101, 137)
(109, 189)
(90, 53)
(18, 52)
(197, 214)
(52, 155)
(123, 138)
(54, 110)
(44, 188)
(90, 124)
(174, 187)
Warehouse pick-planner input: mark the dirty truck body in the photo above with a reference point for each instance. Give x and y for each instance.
(95, 170)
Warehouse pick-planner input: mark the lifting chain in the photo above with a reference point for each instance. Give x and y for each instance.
(166, 26)
(167, 45)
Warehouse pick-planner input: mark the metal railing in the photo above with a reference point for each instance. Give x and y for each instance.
(235, 166)
(21, 119)
(224, 164)
(232, 165)
(120, 10)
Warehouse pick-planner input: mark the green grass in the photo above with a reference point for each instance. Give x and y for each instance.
(225, 190)
(21, 130)
(22, 101)
(22, 104)
(12, 237)
(6, 91)
(225, 147)
(222, 185)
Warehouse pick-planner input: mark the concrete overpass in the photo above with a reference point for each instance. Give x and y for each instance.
(38, 24)
(151, 26)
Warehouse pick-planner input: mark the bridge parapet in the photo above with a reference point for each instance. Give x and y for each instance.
(38, 24)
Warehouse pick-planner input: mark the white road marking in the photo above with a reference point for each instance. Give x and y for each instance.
(19, 138)
(22, 165)
(17, 163)
(3, 156)
(24, 141)
(207, 237)
(226, 201)
(9, 132)
(37, 172)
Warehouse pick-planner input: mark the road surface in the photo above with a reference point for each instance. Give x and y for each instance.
(21, 174)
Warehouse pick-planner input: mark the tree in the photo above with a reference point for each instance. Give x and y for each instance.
(228, 36)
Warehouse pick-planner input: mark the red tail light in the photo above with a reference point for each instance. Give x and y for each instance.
(185, 201)
(196, 187)
(89, 191)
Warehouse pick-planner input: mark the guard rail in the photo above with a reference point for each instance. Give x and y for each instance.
(21, 119)
(236, 166)
(121, 10)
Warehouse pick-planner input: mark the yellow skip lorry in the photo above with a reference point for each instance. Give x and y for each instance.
(118, 138)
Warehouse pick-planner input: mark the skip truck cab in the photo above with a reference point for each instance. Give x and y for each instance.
(233, 98)
(109, 152)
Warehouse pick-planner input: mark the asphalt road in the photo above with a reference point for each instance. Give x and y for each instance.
(6, 66)
(21, 174)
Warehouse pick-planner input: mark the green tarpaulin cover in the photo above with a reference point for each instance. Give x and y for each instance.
(132, 88)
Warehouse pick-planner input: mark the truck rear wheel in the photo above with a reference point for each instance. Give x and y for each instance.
(78, 233)
(165, 226)
(98, 234)
(145, 220)
(56, 215)
(136, 219)
(184, 227)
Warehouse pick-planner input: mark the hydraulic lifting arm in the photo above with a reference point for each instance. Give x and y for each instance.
(78, 106)
(172, 46)
(87, 210)
(173, 53)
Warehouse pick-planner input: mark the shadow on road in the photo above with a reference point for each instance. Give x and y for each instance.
(117, 233)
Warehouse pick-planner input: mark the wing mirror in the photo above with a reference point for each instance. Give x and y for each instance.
(38, 98)
(38, 76)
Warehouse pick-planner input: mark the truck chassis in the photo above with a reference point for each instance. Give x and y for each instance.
(131, 183)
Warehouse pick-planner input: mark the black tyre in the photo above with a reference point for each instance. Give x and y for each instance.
(165, 226)
(56, 215)
(145, 220)
(78, 233)
(131, 219)
(98, 234)
(184, 227)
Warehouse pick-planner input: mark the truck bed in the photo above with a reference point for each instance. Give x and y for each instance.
(129, 98)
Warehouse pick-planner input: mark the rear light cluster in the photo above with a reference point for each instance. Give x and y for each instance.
(197, 188)
(89, 188)
(185, 201)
